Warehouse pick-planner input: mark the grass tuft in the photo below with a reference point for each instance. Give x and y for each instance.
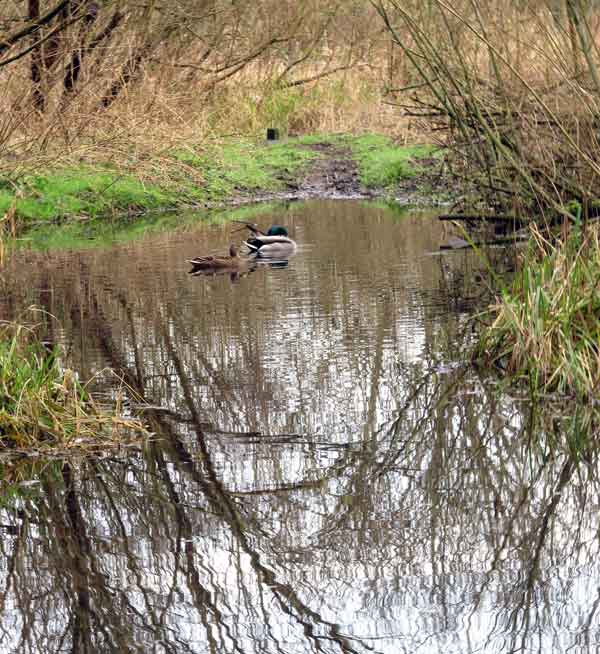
(248, 165)
(45, 405)
(545, 327)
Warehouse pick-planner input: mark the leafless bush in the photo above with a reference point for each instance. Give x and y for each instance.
(517, 86)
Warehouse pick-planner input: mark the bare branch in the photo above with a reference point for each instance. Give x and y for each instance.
(10, 40)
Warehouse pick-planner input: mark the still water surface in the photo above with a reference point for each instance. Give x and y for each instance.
(328, 475)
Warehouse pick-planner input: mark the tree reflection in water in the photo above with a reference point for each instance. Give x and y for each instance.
(326, 476)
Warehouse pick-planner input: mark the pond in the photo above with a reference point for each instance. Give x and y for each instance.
(328, 473)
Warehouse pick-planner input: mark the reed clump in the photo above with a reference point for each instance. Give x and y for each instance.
(545, 326)
(43, 405)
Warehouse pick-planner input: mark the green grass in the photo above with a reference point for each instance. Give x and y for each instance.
(226, 170)
(197, 176)
(332, 139)
(545, 327)
(85, 191)
(383, 164)
(42, 404)
(250, 166)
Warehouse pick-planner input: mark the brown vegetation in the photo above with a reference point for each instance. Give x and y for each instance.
(124, 82)
(517, 85)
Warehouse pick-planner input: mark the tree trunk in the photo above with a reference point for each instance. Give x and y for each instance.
(37, 62)
(79, 50)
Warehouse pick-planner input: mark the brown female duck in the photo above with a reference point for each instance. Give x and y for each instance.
(214, 263)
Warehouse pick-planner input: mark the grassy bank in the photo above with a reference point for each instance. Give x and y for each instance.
(44, 405)
(193, 176)
(381, 162)
(197, 176)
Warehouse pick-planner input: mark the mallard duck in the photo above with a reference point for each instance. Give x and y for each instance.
(275, 244)
(213, 262)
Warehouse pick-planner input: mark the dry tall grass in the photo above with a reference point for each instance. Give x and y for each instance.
(517, 85)
(125, 83)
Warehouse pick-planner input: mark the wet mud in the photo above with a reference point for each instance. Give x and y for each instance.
(335, 176)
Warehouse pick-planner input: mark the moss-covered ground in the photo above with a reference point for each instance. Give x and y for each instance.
(382, 164)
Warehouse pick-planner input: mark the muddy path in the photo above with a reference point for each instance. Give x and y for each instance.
(335, 175)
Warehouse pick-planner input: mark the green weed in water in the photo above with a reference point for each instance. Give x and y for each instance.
(101, 233)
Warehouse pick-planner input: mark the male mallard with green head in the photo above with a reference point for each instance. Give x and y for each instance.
(275, 244)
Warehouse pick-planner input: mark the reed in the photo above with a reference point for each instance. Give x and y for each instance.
(545, 327)
(43, 404)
